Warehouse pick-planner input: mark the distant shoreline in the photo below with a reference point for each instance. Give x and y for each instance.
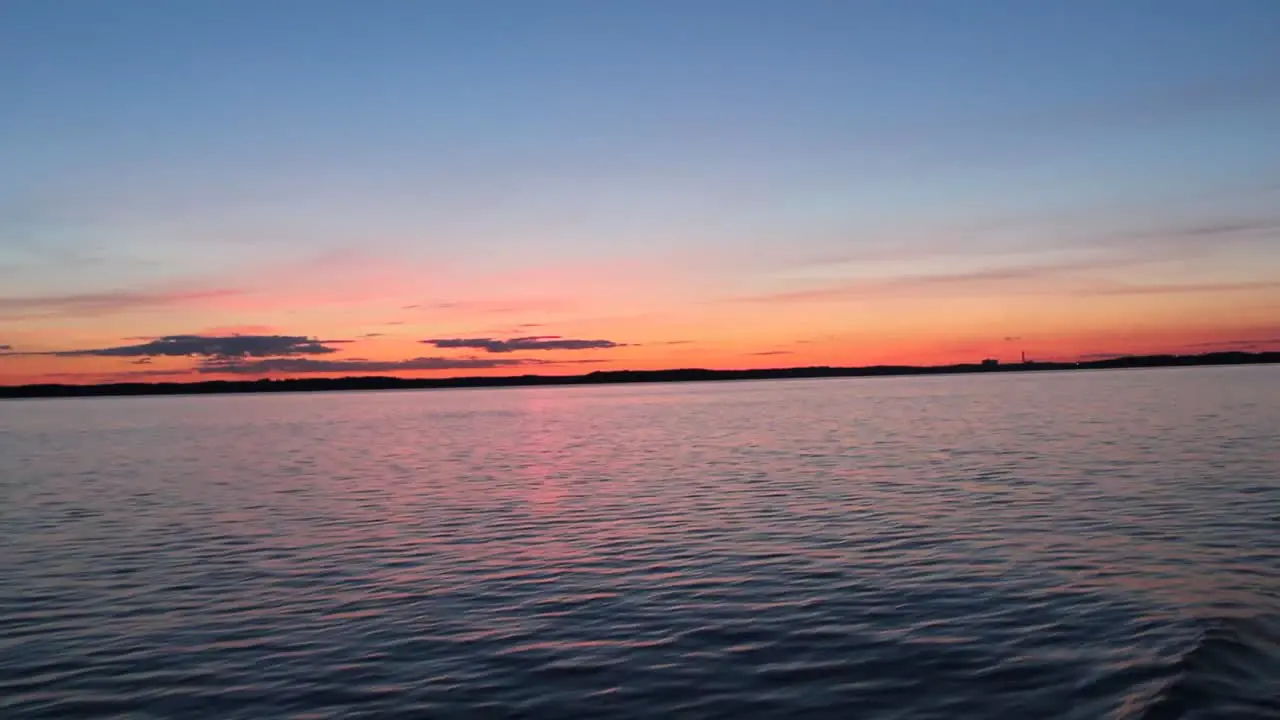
(213, 387)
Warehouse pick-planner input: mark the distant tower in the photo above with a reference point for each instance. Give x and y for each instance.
(1024, 357)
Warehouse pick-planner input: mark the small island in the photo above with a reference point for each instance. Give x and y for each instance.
(622, 376)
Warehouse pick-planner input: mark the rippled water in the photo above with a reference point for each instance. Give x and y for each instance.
(1063, 545)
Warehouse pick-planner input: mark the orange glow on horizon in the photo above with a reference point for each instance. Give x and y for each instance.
(837, 351)
(383, 319)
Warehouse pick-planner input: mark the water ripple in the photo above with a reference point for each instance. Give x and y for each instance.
(1093, 545)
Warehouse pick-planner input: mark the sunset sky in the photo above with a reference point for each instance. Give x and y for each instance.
(223, 189)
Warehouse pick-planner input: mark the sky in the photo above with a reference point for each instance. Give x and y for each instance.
(219, 189)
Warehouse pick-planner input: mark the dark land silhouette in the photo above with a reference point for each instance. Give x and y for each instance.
(620, 376)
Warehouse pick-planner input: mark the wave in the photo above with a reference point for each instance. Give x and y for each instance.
(1231, 671)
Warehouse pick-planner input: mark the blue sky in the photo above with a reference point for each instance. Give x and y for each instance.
(755, 146)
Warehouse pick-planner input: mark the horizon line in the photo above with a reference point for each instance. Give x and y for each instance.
(391, 382)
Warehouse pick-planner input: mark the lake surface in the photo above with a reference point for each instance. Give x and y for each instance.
(1057, 545)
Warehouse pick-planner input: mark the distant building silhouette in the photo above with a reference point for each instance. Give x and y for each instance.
(990, 362)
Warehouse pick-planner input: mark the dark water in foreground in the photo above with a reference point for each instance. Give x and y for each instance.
(1080, 545)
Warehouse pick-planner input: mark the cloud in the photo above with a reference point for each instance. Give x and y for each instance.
(496, 307)
(136, 374)
(1221, 228)
(1191, 239)
(307, 365)
(1254, 343)
(123, 376)
(915, 284)
(661, 343)
(234, 346)
(372, 335)
(1178, 239)
(1103, 356)
(141, 361)
(1067, 277)
(1012, 338)
(6, 348)
(772, 352)
(103, 303)
(1176, 288)
(223, 330)
(532, 342)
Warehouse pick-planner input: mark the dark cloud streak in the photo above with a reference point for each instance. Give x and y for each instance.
(234, 346)
(517, 344)
(1064, 278)
(1178, 288)
(495, 307)
(102, 303)
(1255, 343)
(308, 365)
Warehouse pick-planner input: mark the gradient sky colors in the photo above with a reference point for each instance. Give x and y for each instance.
(233, 188)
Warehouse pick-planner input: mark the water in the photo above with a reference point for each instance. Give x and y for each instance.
(1063, 545)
